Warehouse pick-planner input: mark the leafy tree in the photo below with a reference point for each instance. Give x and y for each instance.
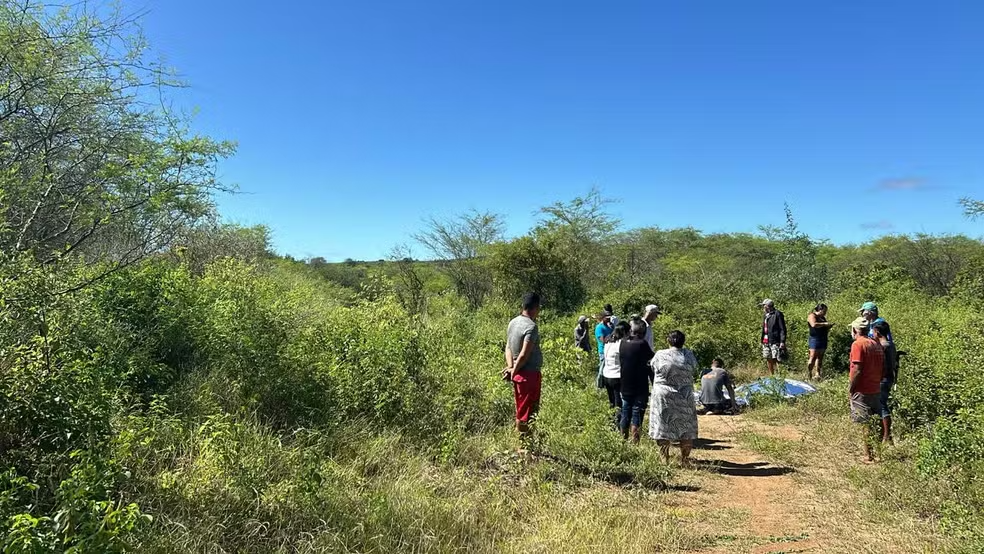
(203, 244)
(526, 265)
(89, 167)
(972, 208)
(579, 230)
(351, 276)
(458, 243)
(797, 275)
(582, 220)
(409, 284)
(933, 262)
(969, 283)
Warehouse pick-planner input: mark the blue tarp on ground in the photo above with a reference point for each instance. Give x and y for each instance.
(768, 385)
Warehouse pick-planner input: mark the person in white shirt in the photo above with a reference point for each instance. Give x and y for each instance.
(612, 371)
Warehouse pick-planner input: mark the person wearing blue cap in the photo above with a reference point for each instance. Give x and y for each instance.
(869, 311)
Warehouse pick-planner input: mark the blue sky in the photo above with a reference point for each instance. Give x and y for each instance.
(357, 119)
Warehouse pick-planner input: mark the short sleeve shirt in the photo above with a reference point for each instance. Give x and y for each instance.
(871, 357)
(520, 330)
(871, 330)
(613, 363)
(711, 386)
(602, 331)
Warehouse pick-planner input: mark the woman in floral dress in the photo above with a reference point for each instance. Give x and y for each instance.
(673, 415)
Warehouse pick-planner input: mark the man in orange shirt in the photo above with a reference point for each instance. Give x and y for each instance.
(867, 366)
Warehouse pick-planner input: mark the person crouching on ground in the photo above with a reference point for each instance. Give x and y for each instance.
(612, 372)
(867, 367)
(889, 376)
(524, 361)
(634, 356)
(674, 412)
(712, 385)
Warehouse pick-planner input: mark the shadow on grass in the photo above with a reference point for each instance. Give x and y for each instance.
(753, 469)
(683, 488)
(711, 444)
(615, 477)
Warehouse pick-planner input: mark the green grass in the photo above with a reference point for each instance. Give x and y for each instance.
(777, 449)
(248, 491)
(887, 493)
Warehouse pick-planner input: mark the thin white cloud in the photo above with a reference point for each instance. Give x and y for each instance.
(902, 183)
(882, 225)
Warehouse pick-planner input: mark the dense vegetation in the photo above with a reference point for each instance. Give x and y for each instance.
(169, 385)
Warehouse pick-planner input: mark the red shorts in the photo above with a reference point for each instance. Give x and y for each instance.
(526, 388)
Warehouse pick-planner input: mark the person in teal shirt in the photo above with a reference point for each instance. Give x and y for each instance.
(869, 311)
(602, 330)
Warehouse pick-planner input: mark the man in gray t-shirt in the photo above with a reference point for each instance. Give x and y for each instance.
(712, 385)
(521, 329)
(523, 362)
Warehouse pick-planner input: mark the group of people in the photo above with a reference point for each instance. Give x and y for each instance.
(636, 376)
(874, 371)
(874, 360)
(633, 373)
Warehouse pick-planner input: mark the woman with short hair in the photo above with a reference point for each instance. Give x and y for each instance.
(674, 412)
(612, 371)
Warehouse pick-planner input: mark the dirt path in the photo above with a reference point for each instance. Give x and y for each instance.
(754, 505)
(746, 502)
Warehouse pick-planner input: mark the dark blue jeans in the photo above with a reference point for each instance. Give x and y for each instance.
(633, 408)
(885, 398)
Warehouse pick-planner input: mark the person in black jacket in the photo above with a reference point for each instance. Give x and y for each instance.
(773, 334)
(635, 376)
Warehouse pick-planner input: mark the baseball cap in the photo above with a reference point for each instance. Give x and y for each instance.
(868, 307)
(860, 325)
(582, 319)
(652, 308)
(767, 302)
